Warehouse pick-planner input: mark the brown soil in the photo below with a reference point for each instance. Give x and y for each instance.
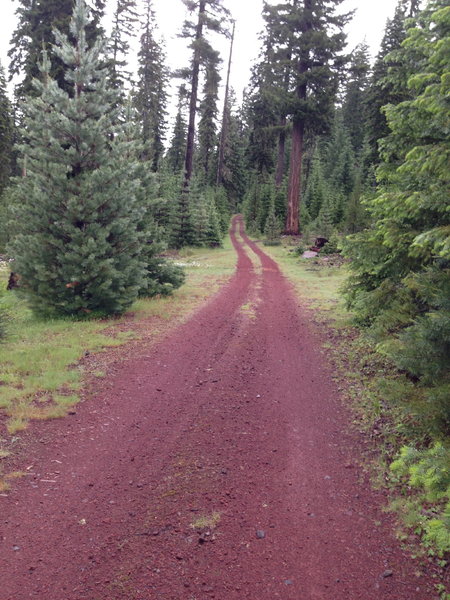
(217, 464)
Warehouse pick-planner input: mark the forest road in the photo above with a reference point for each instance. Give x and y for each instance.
(217, 464)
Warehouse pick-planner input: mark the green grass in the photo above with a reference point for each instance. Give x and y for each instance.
(40, 372)
(315, 283)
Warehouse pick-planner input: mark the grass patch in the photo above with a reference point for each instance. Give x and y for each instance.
(316, 282)
(40, 372)
(207, 521)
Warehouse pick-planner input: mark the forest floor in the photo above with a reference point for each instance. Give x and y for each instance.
(216, 463)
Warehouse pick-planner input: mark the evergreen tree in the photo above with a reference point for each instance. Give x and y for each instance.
(210, 15)
(272, 227)
(311, 34)
(354, 107)
(150, 97)
(79, 248)
(125, 19)
(401, 266)
(6, 134)
(340, 162)
(177, 148)
(205, 217)
(388, 84)
(207, 129)
(34, 32)
(224, 130)
(316, 189)
(233, 173)
(355, 212)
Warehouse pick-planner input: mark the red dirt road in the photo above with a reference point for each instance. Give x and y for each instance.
(216, 465)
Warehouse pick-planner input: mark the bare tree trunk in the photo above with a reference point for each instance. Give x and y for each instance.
(295, 178)
(189, 157)
(224, 129)
(283, 121)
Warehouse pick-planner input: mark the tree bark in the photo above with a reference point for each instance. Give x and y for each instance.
(281, 153)
(295, 178)
(189, 157)
(298, 134)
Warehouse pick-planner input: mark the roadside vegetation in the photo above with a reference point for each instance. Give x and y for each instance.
(42, 371)
(388, 422)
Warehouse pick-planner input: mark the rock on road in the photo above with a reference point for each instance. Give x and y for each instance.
(217, 464)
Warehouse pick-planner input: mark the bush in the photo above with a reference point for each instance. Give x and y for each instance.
(300, 249)
(428, 472)
(331, 247)
(162, 278)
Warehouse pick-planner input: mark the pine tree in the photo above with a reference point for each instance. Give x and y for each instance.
(355, 212)
(316, 188)
(272, 227)
(354, 107)
(210, 15)
(80, 245)
(125, 19)
(177, 149)
(6, 134)
(340, 161)
(388, 84)
(34, 32)
(233, 173)
(150, 97)
(401, 267)
(263, 106)
(207, 128)
(313, 33)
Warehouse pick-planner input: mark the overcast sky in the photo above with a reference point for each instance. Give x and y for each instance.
(368, 24)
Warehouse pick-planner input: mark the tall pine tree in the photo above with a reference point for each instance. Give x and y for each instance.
(309, 41)
(150, 98)
(125, 19)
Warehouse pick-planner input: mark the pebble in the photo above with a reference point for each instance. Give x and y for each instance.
(387, 573)
(288, 582)
(16, 548)
(260, 534)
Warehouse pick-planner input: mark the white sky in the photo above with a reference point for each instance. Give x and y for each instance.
(368, 23)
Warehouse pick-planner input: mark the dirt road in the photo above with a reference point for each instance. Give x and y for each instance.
(215, 465)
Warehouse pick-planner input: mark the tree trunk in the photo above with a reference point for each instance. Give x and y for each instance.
(189, 157)
(295, 178)
(281, 154)
(283, 121)
(298, 134)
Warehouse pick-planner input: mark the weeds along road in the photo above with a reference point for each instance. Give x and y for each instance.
(216, 465)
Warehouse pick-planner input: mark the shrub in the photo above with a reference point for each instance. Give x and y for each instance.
(428, 472)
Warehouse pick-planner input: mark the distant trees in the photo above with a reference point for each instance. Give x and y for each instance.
(209, 16)
(125, 19)
(150, 98)
(298, 78)
(34, 32)
(6, 133)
